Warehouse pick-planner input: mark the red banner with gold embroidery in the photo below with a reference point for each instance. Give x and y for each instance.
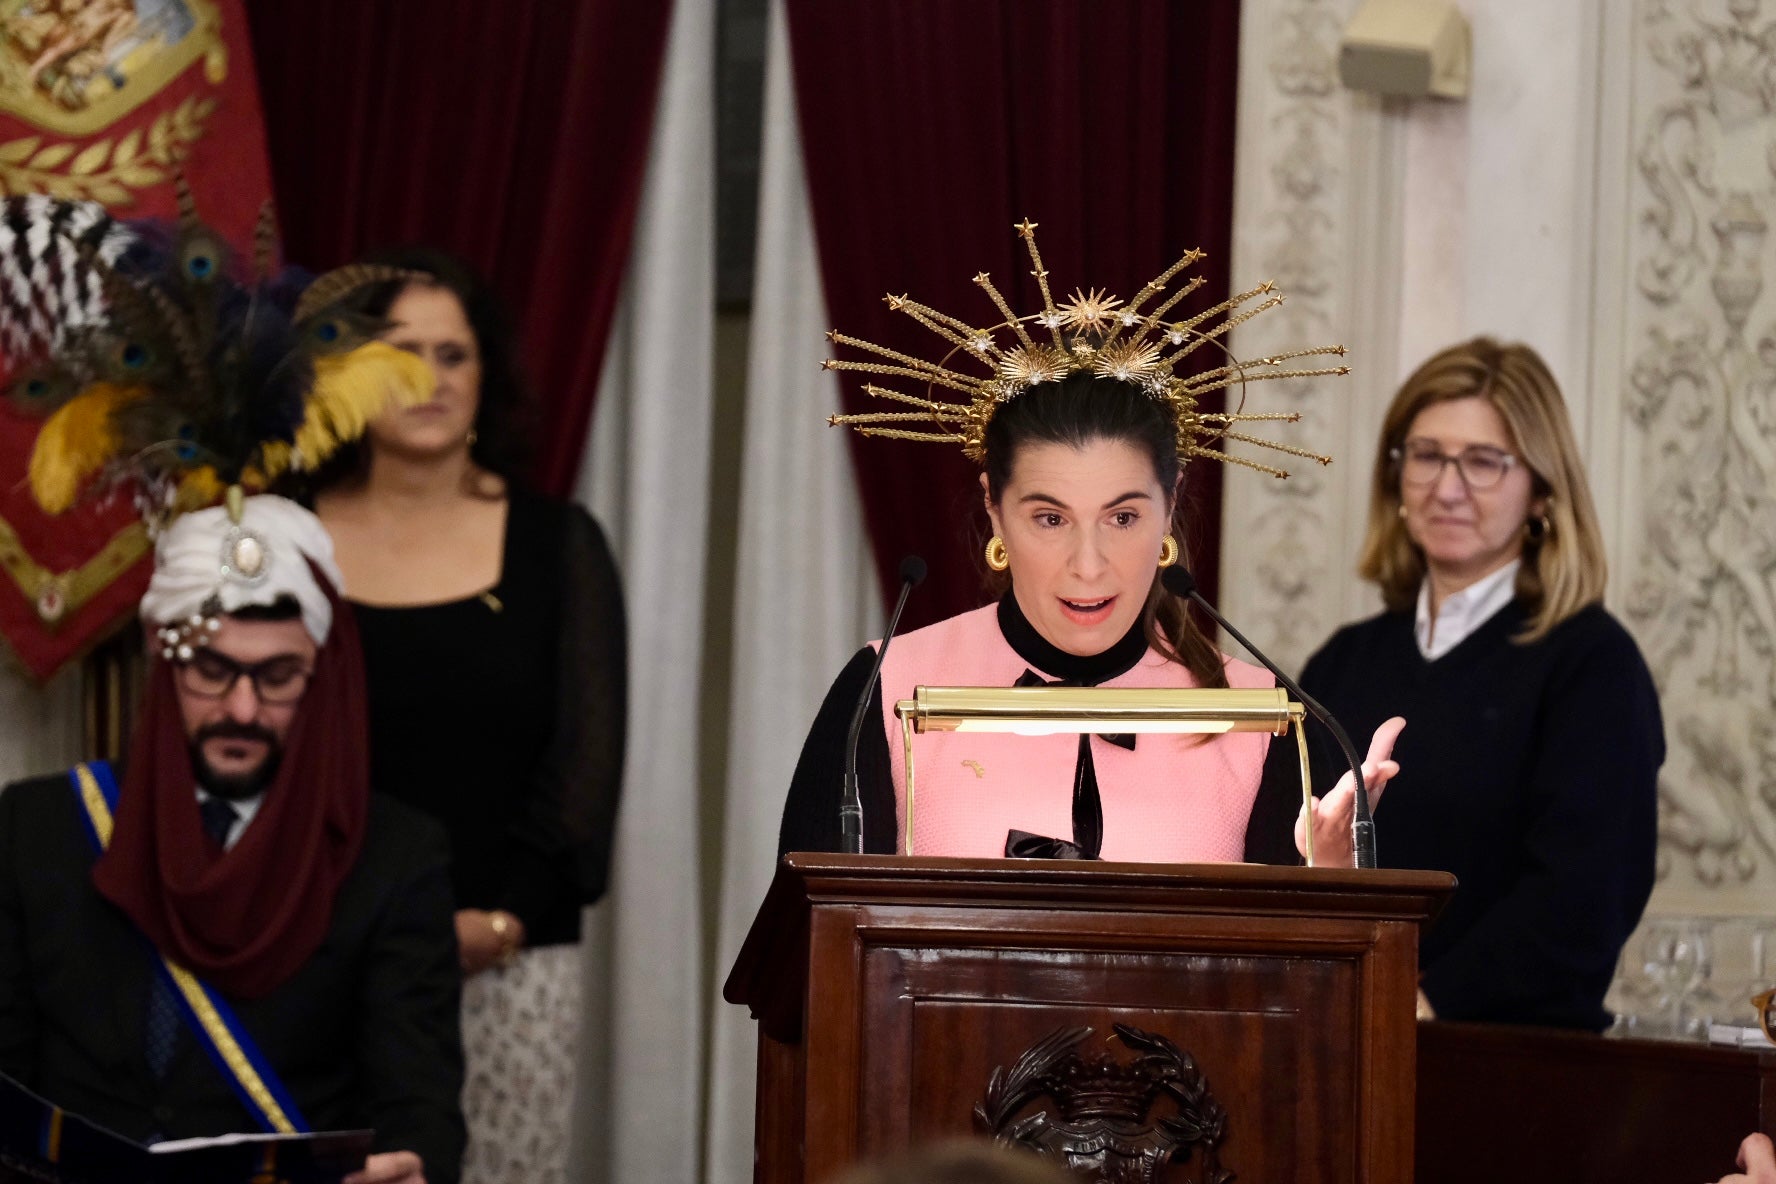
(107, 100)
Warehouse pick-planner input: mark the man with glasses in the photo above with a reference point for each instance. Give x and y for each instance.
(231, 934)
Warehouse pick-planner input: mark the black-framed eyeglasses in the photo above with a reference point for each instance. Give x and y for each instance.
(277, 681)
(1422, 461)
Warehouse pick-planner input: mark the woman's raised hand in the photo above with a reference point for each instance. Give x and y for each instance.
(1333, 813)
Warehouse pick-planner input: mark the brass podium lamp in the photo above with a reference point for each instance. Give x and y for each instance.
(1045, 711)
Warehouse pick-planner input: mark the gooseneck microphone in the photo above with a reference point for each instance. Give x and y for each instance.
(1181, 584)
(912, 571)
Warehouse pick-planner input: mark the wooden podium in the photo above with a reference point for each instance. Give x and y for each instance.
(1242, 1019)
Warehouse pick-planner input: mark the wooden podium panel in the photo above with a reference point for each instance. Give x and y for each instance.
(1563, 1106)
(889, 991)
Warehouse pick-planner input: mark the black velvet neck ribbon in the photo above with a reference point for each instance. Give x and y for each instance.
(1075, 671)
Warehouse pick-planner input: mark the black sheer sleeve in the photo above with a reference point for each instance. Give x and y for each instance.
(568, 823)
(1270, 831)
(811, 812)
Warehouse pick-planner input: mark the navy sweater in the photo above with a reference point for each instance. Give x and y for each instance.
(1529, 772)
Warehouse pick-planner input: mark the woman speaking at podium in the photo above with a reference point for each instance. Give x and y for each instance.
(1082, 429)
(1536, 738)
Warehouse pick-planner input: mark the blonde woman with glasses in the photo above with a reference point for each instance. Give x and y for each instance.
(1535, 736)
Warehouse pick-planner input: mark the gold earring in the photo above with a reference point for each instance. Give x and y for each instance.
(1168, 551)
(997, 559)
(473, 436)
(1402, 511)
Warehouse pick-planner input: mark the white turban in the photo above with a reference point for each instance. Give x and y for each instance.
(205, 554)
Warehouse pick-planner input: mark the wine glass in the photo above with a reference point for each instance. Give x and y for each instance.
(1633, 998)
(1743, 949)
(1675, 957)
(1693, 963)
(1760, 969)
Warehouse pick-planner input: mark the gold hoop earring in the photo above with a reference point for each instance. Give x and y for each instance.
(1168, 551)
(997, 559)
(472, 437)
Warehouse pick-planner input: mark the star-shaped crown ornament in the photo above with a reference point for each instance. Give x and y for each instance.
(1092, 331)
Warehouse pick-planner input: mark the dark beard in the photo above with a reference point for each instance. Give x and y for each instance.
(245, 785)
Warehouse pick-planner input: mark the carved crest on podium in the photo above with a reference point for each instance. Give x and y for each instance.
(1115, 1121)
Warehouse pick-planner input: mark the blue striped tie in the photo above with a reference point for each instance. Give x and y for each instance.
(163, 1010)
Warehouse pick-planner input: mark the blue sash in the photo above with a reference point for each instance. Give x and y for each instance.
(207, 1015)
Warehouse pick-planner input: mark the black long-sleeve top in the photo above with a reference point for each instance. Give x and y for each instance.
(502, 715)
(1528, 771)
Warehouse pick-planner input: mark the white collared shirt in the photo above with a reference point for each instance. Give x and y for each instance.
(1462, 612)
(244, 809)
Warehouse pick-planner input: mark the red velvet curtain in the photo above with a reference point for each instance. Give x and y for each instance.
(514, 134)
(929, 127)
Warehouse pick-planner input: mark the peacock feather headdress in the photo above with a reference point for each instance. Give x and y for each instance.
(1092, 331)
(156, 361)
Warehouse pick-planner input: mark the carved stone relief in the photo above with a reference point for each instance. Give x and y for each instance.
(1701, 398)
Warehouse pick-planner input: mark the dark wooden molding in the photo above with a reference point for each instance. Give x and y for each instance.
(1586, 1107)
(889, 990)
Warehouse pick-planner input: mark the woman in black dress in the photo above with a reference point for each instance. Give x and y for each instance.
(493, 632)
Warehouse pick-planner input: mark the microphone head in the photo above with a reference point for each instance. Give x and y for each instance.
(1178, 582)
(912, 570)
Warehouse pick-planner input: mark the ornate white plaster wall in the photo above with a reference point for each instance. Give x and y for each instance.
(1317, 189)
(1697, 416)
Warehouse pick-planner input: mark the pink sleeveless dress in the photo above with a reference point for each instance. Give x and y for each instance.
(1174, 799)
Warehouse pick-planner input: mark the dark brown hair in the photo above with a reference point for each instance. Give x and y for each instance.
(503, 419)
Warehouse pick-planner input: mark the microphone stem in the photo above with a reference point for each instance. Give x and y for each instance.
(1362, 822)
(851, 800)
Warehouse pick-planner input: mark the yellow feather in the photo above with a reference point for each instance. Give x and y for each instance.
(351, 389)
(274, 459)
(75, 443)
(199, 489)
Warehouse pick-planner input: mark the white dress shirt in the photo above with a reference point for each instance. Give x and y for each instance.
(1462, 612)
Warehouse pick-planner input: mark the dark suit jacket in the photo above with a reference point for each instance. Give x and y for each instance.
(365, 1035)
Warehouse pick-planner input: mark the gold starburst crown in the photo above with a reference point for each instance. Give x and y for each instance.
(1093, 331)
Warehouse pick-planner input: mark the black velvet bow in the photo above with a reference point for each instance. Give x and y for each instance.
(1021, 844)
(1088, 804)
(1030, 678)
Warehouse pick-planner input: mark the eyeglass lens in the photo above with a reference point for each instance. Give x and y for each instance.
(276, 680)
(1480, 465)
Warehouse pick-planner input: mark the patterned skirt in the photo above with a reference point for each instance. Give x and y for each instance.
(521, 1027)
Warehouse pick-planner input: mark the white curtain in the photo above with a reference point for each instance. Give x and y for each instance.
(646, 478)
(806, 594)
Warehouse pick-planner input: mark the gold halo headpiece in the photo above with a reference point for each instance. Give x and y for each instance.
(1092, 331)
